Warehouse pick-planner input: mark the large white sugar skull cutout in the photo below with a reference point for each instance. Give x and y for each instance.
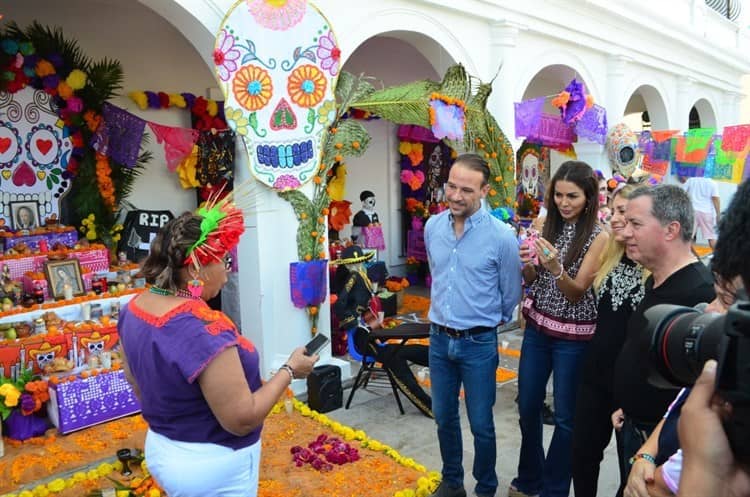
(277, 63)
(622, 150)
(35, 147)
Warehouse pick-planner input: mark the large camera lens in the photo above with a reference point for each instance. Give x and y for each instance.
(679, 341)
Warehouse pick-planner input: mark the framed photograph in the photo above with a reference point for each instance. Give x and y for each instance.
(24, 215)
(63, 273)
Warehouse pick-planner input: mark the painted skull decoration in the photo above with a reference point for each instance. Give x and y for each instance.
(35, 148)
(622, 150)
(530, 174)
(277, 64)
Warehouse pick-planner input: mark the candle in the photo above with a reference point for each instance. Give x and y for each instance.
(67, 291)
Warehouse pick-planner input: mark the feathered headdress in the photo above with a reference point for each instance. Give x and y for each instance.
(223, 223)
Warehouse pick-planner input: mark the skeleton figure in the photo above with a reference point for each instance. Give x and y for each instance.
(277, 68)
(35, 149)
(95, 343)
(366, 216)
(434, 174)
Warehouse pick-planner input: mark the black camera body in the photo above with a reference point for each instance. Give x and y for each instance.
(679, 340)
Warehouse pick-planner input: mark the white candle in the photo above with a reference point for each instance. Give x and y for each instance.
(67, 291)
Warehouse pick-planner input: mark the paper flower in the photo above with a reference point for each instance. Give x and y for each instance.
(327, 112)
(306, 86)
(76, 79)
(238, 120)
(414, 179)
(329, 54)
(286, 182)
(225, 55)
(278, 15)
(252, 87)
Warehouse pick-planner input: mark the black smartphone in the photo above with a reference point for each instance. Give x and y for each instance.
(317, 343)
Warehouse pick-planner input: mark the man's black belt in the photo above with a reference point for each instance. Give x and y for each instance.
(453, 332)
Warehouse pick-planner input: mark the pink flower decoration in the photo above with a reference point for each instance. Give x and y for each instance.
(225, 55)
(329, 53)
(278, 15)
(75, 105)
(286, 182)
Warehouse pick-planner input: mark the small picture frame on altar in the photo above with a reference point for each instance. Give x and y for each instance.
(64, 278)
(24, 215)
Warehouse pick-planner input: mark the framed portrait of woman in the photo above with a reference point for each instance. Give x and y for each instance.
(63, 273)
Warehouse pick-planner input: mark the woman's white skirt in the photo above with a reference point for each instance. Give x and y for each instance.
(187, 469)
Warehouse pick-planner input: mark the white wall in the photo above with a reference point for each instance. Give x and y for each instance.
(154, 56)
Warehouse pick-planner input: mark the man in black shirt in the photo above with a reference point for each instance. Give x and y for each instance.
(658, 235)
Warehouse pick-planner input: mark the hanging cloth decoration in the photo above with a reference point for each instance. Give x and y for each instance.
(593, 125)
(119, 136)
(696, 154)
(178, 142)
(216, 159)
(527, 115)
(447, 117)
(698, 139)
(727, 164)
(307, 282)
(735, 138)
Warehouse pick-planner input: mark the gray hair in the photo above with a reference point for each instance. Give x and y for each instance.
(669, 203)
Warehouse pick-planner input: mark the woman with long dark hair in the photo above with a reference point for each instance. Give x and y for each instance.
(560, 312)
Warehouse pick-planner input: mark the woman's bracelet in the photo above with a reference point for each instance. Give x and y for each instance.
(562, 273)
(288, 369)
(643, 455)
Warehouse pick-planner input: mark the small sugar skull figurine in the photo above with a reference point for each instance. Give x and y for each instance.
(277, 64)
(45, 354)
(35, 148)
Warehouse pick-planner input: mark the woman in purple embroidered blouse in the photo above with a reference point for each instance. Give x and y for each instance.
(197, 378)
(560, 313)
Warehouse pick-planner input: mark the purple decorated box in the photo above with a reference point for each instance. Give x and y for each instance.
(67, 238)
(85, 402)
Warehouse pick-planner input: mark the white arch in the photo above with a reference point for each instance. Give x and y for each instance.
(396, 22)
(706, 112)
(656, 104)
(551, 58)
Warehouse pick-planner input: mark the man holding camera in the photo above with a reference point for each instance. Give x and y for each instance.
(658, 236)
(710, 466)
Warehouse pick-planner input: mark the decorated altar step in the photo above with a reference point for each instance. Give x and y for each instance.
(380, 470)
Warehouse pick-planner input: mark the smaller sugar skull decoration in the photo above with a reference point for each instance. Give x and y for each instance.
(45, 354)
(622, 150)
(95, 344)
(277, 64)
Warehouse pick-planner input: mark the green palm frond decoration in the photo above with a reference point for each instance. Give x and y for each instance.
(405, 104)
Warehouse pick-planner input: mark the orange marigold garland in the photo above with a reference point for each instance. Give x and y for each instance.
(104, 181)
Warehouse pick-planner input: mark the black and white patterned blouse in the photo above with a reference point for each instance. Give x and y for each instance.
(549, 310)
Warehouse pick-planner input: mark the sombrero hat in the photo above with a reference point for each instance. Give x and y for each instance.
(354, 255)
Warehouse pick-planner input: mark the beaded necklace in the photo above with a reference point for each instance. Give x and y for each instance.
(169, 293)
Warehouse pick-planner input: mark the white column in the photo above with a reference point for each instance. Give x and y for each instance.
(683, 103)
(503, 42)
(729, 114)
(615, 98)
(268, 317)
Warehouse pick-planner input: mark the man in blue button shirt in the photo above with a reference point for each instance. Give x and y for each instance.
(476, 284)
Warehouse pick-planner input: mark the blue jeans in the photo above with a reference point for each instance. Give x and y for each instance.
(540, 355)
(472, 361)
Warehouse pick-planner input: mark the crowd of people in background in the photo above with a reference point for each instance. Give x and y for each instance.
(607, 251)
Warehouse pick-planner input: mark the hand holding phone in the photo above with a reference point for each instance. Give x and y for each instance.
(316, 344)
